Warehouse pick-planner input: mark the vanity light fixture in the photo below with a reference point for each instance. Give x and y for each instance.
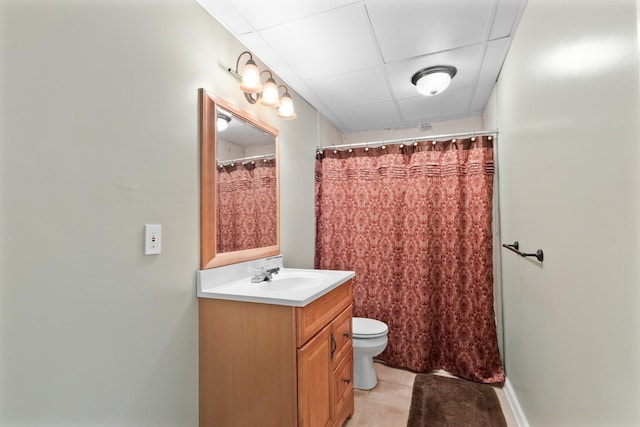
(268, 93)
(433, 80)
(222, 121)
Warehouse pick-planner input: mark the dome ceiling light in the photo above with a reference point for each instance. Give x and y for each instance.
(222, 121)
(431, 81)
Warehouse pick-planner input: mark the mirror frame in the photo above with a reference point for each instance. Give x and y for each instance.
(209, 258)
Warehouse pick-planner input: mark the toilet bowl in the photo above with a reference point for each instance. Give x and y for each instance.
(369, 340)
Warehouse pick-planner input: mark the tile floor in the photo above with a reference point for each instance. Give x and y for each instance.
(387, 405)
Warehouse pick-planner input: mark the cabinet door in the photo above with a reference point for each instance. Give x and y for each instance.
(341, 335)
(342, 392)
(314, 381)
(342, 365)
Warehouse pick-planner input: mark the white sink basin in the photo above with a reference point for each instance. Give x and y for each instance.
(293, 287)
(294, 282)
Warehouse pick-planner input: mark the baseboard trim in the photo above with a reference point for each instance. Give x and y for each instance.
(515, 405)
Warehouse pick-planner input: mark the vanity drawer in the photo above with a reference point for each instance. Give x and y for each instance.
(319, 313)
(342, 390)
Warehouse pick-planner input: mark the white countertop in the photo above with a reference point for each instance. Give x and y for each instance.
(291, 286)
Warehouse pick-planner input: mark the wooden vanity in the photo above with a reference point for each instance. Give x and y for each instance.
(274, 365)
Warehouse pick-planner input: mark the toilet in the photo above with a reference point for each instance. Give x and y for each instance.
(369, 340)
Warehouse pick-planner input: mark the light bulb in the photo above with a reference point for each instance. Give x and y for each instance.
(251, 78)
(270, 94)
(286, 107)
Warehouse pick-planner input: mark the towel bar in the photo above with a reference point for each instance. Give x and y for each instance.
(515, 247)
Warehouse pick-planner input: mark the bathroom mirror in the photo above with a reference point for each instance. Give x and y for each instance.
(239, 190)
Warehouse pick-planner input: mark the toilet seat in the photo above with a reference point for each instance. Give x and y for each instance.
(363, 328)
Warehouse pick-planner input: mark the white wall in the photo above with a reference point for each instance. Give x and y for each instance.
(227, 150)
(444, 127)
(567, 106)
(297, 187)
(99, 136)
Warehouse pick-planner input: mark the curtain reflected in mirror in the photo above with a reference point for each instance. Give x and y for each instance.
(247, 204)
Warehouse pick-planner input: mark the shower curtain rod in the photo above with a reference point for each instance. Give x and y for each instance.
(400, 140)
(247, 159)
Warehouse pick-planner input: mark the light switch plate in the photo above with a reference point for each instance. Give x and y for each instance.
(152, 239)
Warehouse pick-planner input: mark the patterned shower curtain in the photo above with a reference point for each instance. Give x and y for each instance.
(246, 207)
(414, 223)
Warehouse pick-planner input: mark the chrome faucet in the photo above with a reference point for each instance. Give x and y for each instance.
(264, 274)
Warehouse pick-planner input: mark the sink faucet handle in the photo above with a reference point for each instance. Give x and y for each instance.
(269, 272)
(262, 274)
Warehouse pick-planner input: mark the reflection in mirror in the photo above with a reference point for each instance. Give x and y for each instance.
(239, 185)
(246, 185)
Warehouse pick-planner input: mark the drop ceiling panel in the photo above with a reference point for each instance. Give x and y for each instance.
(301, 86)
(480, 97)
(446, 104)
(492, 62)
(369, 116)
(270, 57)
(359, 87)
(270, 13)
(505, 18)
(333, 42)
(227, 15)
(422, 27)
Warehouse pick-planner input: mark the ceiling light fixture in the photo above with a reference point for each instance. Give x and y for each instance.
(222, 121)
(433, 80)
(268, 93)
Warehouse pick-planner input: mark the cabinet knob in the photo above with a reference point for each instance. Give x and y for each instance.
(347, 380)
(346, 335)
